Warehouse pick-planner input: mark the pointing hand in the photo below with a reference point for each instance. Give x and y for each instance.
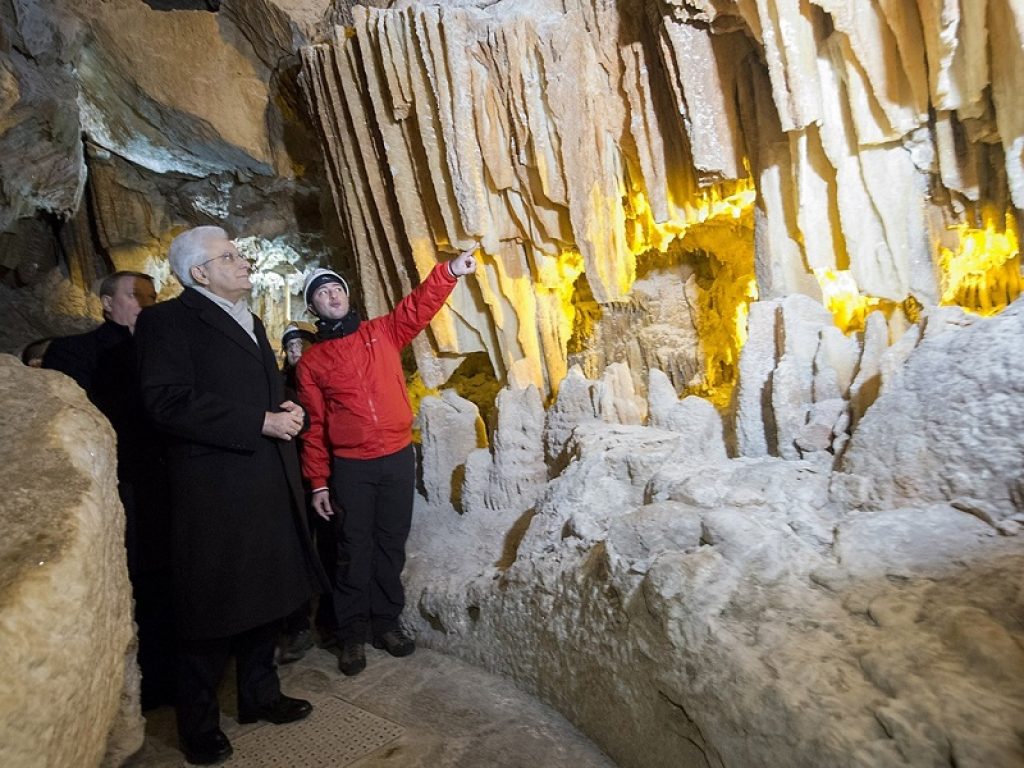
(464, 263)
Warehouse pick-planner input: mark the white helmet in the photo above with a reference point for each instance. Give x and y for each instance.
(321, 276)
(298, 330)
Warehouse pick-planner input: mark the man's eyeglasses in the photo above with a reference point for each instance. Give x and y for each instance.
(229, 257)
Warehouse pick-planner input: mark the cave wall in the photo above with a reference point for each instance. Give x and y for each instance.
(123, 123)
(772, 148)
(687, 609)
(574, 140)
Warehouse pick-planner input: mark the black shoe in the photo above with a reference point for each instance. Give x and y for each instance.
(284, 710)
(209, 749)
(294, 646)
(352, 660)
(395, 642)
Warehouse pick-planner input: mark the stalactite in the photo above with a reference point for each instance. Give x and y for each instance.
(567, 139)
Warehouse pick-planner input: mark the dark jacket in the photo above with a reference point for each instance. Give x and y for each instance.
(241, 552)
(103, 363)
(353, 388)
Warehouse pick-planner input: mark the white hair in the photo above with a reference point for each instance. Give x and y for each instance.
(189, 250)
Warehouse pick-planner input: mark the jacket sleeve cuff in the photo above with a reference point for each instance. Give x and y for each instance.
(318, 484)
(448, 271)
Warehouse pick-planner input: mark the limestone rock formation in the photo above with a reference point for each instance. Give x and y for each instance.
(481, 144)
(132, 103)
(41, 159)
(125, 123)
(971, 457)
(685, 608)
(865, 136)
(69, 676)
(450, 428)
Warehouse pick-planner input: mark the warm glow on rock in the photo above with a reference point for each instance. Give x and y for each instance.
(842, 297)
(983, 274)
(730, 199)
(726, 287)
(557, 278)
(418, 390)
(556, 287)
(716, 228)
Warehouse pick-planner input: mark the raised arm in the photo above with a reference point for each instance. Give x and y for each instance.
(415, 311)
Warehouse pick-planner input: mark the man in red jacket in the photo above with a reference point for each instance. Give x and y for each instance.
(358, 451)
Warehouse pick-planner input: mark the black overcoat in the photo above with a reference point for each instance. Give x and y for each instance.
(103, 363)
(240, 548)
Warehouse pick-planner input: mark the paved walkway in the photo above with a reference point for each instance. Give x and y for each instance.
(424, 711)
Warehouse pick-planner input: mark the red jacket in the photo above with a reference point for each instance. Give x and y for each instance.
(353, 388)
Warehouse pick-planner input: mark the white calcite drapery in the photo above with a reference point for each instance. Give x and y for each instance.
(534, 134)
(567, 138)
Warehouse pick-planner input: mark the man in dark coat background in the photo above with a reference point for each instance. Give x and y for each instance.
(103, 363)
(241, 554)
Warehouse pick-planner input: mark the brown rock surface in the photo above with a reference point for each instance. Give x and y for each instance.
(41, 163)
(70, 690)
(132, 70)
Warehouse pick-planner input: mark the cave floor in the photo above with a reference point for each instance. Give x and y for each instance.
(427, 710)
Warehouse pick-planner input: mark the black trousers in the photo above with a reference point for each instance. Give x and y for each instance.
(201, 666)
(327, 550)
(154, 611)
(373, 511)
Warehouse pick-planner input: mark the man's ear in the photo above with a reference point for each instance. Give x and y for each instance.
(197, 275)
(108, 303)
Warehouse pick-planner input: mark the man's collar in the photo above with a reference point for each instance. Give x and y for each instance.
(113, 331)
(217, 298)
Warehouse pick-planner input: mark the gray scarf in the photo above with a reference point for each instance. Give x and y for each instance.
(239, 311)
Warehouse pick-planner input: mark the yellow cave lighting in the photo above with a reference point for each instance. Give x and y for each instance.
(726, 286)
(557, 277)
(983, 274)
(729, 200)
(716, 228)
(554, 286)
(417, 391)
(849, 307)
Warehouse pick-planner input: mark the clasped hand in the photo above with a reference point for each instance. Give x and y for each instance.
(286, 423)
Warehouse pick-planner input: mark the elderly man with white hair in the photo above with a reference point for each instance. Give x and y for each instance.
(241, 554)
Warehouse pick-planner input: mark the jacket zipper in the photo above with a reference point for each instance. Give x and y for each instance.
(369, 398)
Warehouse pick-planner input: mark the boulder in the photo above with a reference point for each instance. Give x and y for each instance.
(70, 681)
